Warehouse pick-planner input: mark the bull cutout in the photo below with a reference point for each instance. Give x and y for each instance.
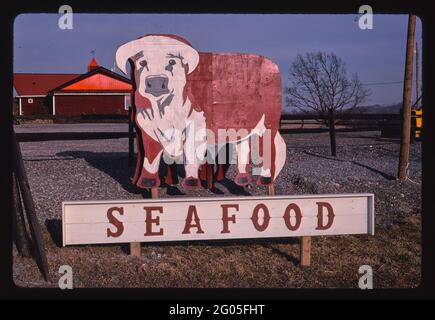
(187, 105)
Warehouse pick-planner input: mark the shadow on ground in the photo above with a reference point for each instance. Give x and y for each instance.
(54, 227)
(382, 174)
(115, 164)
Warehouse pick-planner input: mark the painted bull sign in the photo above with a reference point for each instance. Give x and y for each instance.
(216, 218)
(187, 105)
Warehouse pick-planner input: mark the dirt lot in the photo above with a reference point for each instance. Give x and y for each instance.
(97, 169)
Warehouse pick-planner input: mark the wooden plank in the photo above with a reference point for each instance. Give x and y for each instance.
(130, 139)
(271, 189)
(89, 212)
(29, 207)
(155, 220)
(305, 251)
(172, 230)
(20, 234)
(135, 249)
(154, 193)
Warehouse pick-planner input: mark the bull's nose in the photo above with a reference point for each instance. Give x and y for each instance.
(156, 85)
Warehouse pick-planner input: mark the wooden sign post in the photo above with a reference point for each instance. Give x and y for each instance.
(305, 259)
(135, 248)
(305, 251)
(20, 234)
(23, 193)
(130, 139)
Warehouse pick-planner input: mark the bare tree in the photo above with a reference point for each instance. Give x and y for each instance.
(319, 83)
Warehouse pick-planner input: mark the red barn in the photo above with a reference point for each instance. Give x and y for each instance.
(97, 92)
(32, 91)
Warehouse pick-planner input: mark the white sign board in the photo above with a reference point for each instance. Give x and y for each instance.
(153, 220)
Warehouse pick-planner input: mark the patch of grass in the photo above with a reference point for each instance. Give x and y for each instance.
(393, 253)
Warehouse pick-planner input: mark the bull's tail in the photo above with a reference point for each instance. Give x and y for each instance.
(280, 154)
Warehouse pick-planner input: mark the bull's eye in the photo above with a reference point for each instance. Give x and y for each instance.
(143, 63)
(172, 62)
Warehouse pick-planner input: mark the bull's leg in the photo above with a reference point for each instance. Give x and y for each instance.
(192, 169)
(194, 158)
(191, 180)
(221, 159)
(268, 154)
(220, 173)
(195, 148)
(243, 177)
(149, 176)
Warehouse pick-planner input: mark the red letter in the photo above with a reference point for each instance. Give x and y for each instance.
(298, 213)
(320, 206)
(150, 221)
(225, 218)
(191, 213)
(118, 224)
(266, 218)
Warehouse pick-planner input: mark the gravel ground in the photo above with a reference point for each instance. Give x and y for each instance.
(97, 170)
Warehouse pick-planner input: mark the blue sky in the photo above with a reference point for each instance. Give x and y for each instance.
(376, 55)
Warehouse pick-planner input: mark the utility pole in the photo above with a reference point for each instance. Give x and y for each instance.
(417, 84)
(406, 105)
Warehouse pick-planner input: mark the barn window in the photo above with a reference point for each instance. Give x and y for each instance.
(30, 100)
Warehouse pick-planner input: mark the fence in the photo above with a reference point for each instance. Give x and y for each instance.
(90, 118)
(387, 123)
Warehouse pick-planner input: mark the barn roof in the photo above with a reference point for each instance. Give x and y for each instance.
(40, 83)
(98, 79)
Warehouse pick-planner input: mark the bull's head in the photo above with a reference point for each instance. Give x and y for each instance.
(160, 63)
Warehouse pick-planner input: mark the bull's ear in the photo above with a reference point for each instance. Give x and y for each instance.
(192, 59)
(123, 54)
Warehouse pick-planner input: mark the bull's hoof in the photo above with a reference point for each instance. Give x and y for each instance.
(243, 179)
(264, 181)
(190, 183)
(146, 183)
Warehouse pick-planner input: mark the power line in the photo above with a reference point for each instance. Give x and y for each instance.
(382, 83)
